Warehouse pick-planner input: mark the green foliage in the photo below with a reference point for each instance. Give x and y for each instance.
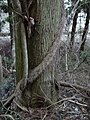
(85, 56)
(84, 4)
(9, 19)
(8, 84)
(7, 61)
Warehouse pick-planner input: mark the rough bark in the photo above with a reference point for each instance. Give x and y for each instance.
(43, 42)
(44, 34)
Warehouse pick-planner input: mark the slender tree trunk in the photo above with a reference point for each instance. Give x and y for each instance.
(85, 31)
(0, 20)
(10, 21)
(43, 42)
(1, 70)
(18, 41)
(73, 30)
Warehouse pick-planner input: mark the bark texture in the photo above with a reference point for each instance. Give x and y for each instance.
(43, 36)
(43, 42)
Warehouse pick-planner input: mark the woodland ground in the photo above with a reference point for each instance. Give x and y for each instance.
(74, 102)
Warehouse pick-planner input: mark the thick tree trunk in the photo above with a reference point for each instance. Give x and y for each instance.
(43, 36)
(85, 31)
(42, 44)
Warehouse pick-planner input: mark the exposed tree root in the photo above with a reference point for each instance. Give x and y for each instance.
(64, 84)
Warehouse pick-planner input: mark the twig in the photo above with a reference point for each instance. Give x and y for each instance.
(21, 107)
(11, 111)
(5, 70)
(65, 99)
(79, 92)
(44, 116)
(9, 99)
(84, 105)
(65, 84)
(7, 115)
(30, 2)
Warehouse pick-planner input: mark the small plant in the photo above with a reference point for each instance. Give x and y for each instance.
(84, 54)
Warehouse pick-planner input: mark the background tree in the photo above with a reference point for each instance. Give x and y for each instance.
(82, 6)
(85, 31)
(10, 20)
(73, 29)
(1, 70)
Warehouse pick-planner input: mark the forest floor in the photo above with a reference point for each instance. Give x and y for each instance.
(74, 90)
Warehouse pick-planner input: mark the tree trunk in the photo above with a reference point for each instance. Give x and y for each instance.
(43, 42)
(20, 37)
(73, 29)
(85, 31)
(10, 21)
(1, 70)
(0, 21)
